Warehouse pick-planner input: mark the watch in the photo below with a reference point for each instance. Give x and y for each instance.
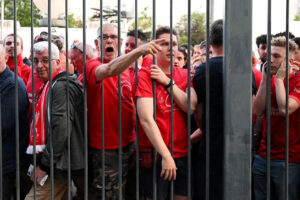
(172, 82)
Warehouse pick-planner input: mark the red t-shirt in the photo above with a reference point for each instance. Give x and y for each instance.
(163, 111)
(278, 126)
(111, 128)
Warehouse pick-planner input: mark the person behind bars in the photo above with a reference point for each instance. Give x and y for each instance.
(157, 133)
(56, 118)
(278, 113)
(105, 74)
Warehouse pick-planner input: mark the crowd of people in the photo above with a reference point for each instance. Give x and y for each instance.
(51, 115)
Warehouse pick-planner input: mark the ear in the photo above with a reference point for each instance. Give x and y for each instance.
(96, 43)
(121, 41)
(57, 62)
(6, 58)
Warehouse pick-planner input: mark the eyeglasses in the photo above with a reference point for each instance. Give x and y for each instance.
(44, 61)
(113, 37)
(73, 46)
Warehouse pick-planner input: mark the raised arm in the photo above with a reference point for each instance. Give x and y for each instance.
(120, 64)
(281, 91)
(180, 97)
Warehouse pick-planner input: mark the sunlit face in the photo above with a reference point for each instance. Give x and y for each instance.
(110, 43)
(130, 43)
(41, 65)
(76, 58)
(277, 57)
(164, 56)
(203, 52)
(9, 46)
(262, 52)
(179, 60)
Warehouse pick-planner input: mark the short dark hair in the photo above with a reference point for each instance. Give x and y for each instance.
(163, 30)
(18, 37)
(291, 35)
(262, 39)
(297, 41)
(140, 35)
(216, 33)
(183, 51)
(186, 47)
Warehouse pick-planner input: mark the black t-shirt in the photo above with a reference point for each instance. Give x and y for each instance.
(216, 103)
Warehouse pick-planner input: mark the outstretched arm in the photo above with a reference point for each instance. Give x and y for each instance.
(120, 64)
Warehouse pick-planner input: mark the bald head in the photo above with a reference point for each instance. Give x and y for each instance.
(3, 58)
(76, 55)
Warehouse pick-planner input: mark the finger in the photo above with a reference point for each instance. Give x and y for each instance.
(171, 175)
(159, 41)
(174, 174)
(162, 173)
(296, 63)
(167, 173)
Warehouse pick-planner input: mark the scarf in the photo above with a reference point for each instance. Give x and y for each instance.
(40, 120)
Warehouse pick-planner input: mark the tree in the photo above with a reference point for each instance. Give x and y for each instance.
(198, 28)
(23, 12)
(74, 23)
(297, 17)
(144, 22)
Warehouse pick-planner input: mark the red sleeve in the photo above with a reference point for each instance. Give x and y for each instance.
(147, 61)
(90, 71)
(295, 93)
(144, 88)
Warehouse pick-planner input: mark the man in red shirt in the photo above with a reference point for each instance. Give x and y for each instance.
(105, 74)
(23, 70)
(278, 112)
(158, 133)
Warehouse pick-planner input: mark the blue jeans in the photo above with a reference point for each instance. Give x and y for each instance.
(277, 179)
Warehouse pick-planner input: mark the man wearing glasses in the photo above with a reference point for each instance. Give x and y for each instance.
(52, 111)
(106, 73)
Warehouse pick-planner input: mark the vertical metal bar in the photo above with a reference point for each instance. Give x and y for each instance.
(2, 18)
(67, 99)
(85, 103)
(50, 97)
(119, 103)
(268, 109)
(136, 115)
(1, 163)
(171, 92)
(33, 101)
(154, 183)
(102, 104)
(189, 178)
(16, 105)
(287, 103)
(207, 108)
(237, 75)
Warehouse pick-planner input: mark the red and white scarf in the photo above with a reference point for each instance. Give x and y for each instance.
(40, 121)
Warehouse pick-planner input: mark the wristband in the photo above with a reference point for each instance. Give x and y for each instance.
(172, 82)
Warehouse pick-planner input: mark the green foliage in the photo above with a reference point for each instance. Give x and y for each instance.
(198, 28)
(297, 17)
(23, 12)
(144, 21)
(74, 23)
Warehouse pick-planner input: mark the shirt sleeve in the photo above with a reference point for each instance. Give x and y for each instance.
(144, 88)
(90, 72)
(295, 92)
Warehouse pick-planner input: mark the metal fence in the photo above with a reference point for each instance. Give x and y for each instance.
(237, 103)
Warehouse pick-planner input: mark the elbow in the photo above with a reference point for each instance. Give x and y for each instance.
(282, 111)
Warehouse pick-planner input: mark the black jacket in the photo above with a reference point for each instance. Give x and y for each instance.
(58, 118)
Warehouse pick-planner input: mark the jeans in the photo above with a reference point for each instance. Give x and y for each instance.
(277, 179)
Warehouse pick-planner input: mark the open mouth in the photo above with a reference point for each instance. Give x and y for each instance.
(109, 49)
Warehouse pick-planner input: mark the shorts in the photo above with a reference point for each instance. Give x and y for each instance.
(111, 172)
(163, 187)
